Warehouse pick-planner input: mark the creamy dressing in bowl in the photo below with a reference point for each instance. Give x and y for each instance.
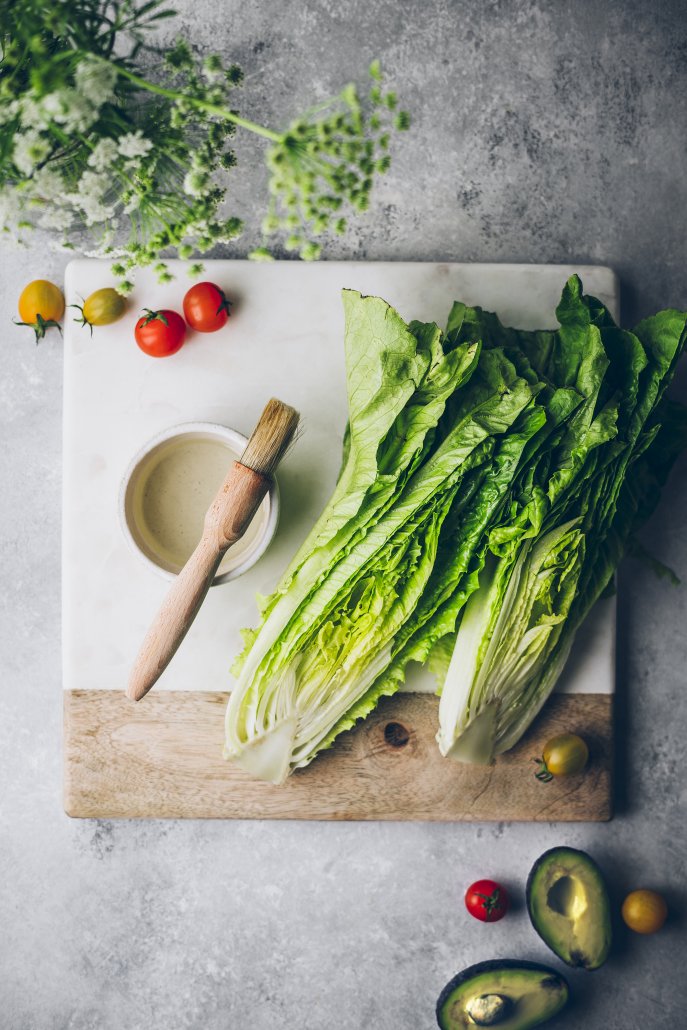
(170, 485)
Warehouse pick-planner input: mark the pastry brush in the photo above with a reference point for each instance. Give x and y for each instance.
(227, 519)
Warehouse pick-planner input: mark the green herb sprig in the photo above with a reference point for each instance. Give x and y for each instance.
(103, 130)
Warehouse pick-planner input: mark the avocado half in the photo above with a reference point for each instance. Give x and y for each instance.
(568, 903)
(507, 994)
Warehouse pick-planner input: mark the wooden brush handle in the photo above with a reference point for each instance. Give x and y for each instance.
(226, 521)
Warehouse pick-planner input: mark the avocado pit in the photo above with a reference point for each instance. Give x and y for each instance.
(489, 1009)
(507, 994)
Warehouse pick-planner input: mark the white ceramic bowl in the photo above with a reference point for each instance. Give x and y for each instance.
(141, 536)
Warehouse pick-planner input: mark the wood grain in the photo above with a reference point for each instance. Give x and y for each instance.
(163, 759)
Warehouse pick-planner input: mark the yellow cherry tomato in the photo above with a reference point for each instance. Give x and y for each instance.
(41, 305)
(644, 911)
(563, 755)
(103, 307)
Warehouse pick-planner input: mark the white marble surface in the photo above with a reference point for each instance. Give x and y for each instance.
(285, 339)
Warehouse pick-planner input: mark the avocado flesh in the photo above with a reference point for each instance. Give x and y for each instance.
(532, 994)
(569, 907)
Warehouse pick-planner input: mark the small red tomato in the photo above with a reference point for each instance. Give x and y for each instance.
(206, 308)
(486, 900)
(160, 333)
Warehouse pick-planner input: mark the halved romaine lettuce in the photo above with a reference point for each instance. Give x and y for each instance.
(501, 670)
(491, 481)
(513, 638)
(329, 632)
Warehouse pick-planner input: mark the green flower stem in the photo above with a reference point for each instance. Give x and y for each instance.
(320, 167)
(204, 105)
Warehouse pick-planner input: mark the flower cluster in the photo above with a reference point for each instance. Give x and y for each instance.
(322, 164)
(140, 162)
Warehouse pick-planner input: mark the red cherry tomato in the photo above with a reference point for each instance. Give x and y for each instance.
(486, 900)
(160, 333)
(206, 308)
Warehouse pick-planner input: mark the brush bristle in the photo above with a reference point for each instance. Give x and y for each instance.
(270, 438)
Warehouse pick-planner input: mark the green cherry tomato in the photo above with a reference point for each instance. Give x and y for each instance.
(103, 307)
(563, 755)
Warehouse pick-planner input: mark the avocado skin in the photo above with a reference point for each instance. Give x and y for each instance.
(555, 854)
(494, 966)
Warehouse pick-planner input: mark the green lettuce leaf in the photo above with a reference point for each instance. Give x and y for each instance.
(590, 491)
(499, 674)
(329, 631)
(398, 384)
(491, 481)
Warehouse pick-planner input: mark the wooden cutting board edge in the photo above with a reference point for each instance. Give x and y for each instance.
(162, 758)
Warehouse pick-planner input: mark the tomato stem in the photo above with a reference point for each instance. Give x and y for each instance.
(225, 303)
(543, 775)
(491, 901)
(153, 316)
(40, 325)
(83, 320)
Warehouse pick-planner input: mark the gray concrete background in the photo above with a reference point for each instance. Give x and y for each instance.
(542, 132)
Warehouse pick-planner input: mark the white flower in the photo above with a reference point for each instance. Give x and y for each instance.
(95, 211)
(89, 197)
(8, 111)
(56, 105)
(30, 148)
(55, 218)
(81, 114)
(93, 184)
(132, 144)
(71, 109)
(195, 182)
(47, 184)
(103, 154)
(32, 114)
(96, 80)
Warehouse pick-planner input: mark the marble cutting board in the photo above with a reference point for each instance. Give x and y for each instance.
(163, 757)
